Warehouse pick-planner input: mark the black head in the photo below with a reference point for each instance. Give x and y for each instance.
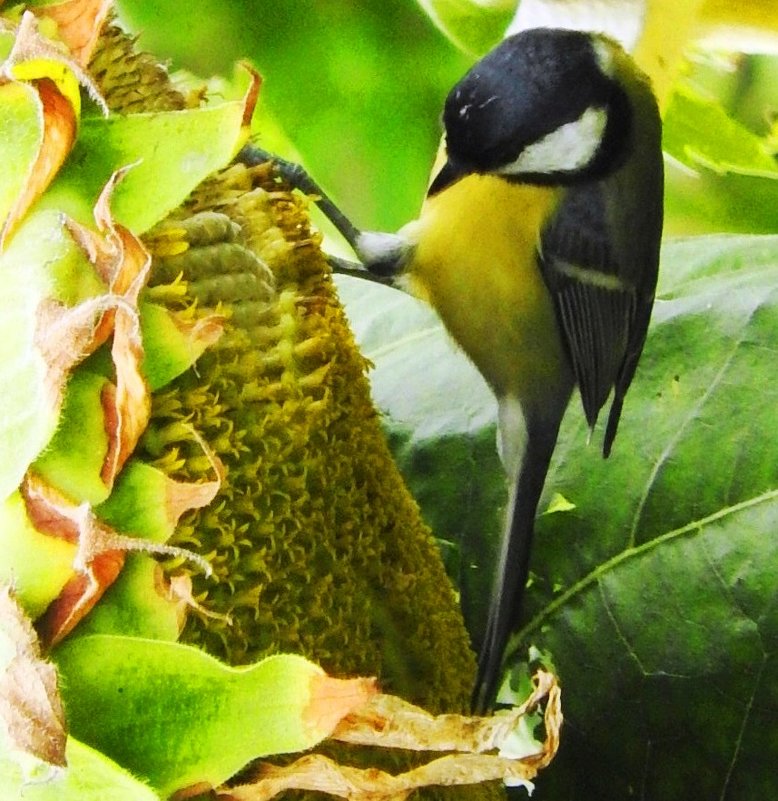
(542, 107)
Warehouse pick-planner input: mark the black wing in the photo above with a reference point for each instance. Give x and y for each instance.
(600, 257)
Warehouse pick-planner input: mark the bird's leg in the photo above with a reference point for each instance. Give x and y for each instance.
(381, 255)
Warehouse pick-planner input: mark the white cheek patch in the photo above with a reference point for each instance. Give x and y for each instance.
(567, 149)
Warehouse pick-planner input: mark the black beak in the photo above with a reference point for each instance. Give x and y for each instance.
(449, 173)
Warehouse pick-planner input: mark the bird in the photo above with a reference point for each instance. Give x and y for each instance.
(538, 245)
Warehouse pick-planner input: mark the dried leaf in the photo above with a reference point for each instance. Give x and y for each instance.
(393, 723)
(181, 496)
(390, 722)
(58, 132)
(55, 77)
(30, 706)
(252, 94)
(65, 336)
(99, 555)
(79, 23)
(132, 402)
(120, 258)
(331, 697)
(320, 774)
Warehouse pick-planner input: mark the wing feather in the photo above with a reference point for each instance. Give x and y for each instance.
(602, 287)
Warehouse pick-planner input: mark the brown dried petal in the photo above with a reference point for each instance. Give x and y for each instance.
(99, 557)
(123, 262)
(30, 706)
(58, 132)
(79, 23)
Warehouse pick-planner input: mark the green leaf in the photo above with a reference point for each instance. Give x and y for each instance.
(173, 152)
(170, 348)
(73, 462)
(472, 25)
(29, 405)
(133, 606)
(655, 594)
(89, 776)
(689, 123)
(707, 202)
(179, 717)
(21, 134)
(140, 503)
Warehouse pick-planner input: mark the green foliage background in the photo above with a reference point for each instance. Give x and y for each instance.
(352, 87)
(655, 591)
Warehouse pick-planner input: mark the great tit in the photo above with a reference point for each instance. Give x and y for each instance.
(538, 245)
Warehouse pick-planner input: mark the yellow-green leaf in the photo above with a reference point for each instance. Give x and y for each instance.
(172, 152)
(21, 134)
(178, 717)
(37, 565)
(690, 122)
(472, 25)
(89, 776)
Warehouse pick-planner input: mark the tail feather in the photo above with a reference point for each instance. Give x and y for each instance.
(513, 566)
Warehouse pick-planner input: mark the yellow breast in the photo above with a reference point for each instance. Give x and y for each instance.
(475, 262)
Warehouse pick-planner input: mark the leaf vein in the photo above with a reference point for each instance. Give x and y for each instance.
(741, 732)
(668, 449)
(694, 527)
(622, 637)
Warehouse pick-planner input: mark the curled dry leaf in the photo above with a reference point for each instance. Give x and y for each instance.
(320, 774)
(57, 109)
(65, 336)
(99, 556)
(123, 263)
(30, 707)
(252, 93)
(390, 722)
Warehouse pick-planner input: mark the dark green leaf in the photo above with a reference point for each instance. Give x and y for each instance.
(656, 593)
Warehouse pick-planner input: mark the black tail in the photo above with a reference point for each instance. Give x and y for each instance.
(513, 565)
